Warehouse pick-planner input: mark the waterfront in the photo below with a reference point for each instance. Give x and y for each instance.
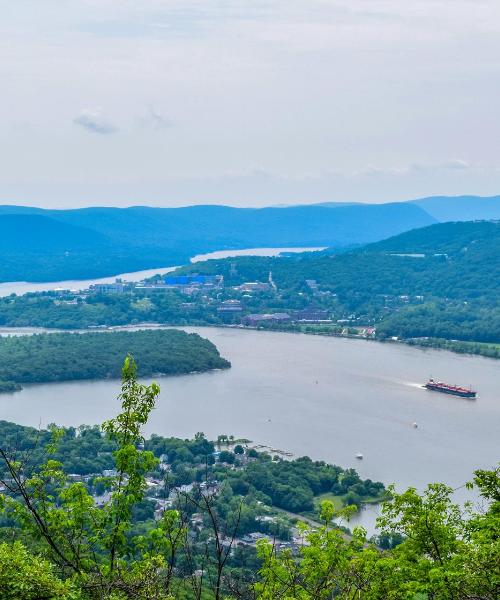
(23, 287)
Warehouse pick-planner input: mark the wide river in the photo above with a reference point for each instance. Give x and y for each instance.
(329, 398)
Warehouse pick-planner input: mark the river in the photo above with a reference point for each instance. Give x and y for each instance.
(23, 287)
(329, 398)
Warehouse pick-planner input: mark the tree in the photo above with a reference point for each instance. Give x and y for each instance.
(24, 576)
(89, 545)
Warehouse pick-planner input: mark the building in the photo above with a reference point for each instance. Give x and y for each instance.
(312, 315)
(118, 287)
(194, 280)
(253, 286)
(264, 319)
(186, 284)
(230, 306)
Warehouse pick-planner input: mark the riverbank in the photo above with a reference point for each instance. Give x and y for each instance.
(455, 346)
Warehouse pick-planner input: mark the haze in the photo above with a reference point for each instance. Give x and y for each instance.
(247, 103)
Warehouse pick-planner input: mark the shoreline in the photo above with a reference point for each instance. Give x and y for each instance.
(422, 344)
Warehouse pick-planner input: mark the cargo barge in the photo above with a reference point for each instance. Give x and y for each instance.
(454, 390)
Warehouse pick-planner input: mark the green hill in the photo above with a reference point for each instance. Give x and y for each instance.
(438, 281)
(449, 238)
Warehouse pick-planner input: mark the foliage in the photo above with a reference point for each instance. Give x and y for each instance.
(69, 356)
(24, 576)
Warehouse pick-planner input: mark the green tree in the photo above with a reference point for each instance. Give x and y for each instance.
(24, 576)
(92, 546)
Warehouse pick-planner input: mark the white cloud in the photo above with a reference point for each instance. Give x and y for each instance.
(95, 122)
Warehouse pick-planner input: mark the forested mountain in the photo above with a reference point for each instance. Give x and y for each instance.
(460, 260)
(446, 238)
(45, 245)
(461, 208)
(216, 227)
(37, 233)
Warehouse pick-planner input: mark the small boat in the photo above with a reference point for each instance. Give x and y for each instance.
(415, 425)
(454, 390)
(359, 456)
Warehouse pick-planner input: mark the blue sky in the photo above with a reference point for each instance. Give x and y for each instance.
(249, 103)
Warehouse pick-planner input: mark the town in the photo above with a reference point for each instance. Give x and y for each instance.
(208, 299)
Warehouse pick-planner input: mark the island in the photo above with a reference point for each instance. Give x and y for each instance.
(65, 356)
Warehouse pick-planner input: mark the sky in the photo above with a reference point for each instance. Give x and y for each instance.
(247, 102)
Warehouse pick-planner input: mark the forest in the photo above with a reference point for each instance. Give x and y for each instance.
(75, 356)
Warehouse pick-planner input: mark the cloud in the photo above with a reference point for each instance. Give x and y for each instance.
(457, 164)
(95, 122)
(155, 120)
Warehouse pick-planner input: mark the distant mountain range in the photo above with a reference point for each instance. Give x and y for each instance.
(45, 245)
(461, 208)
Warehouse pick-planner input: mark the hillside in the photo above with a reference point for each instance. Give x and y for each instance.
(34, 233)
(47, 245)
(461, 208)
(449, 288)
(469, 271)
(446, 238)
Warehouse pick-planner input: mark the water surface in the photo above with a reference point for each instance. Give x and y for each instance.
(329, 398)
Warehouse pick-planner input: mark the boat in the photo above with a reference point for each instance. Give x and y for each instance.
(359, 456)
(454, 390)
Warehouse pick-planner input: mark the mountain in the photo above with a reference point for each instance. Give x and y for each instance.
(461, 208)
(45, 245)
(217, 227)
(37, 233)
(444, 238)
(82, 243)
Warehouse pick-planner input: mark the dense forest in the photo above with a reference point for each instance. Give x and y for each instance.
(72, 356)
(99, 538)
